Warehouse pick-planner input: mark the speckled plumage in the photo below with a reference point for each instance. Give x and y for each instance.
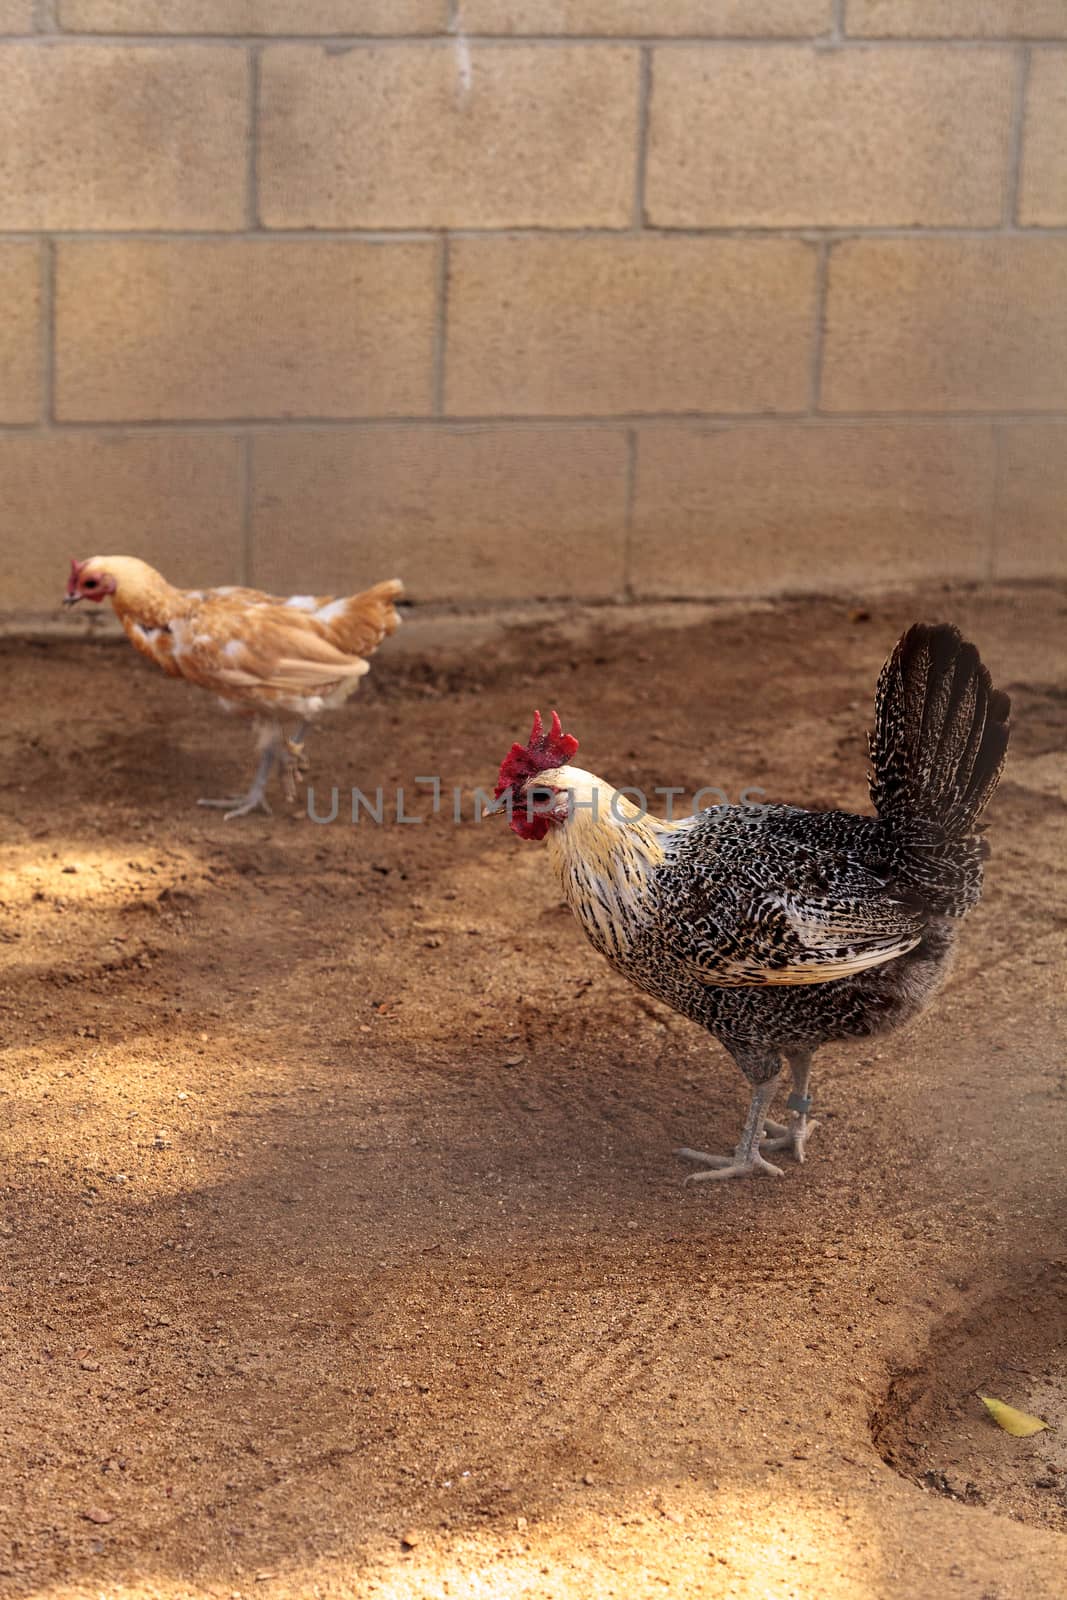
(779, 929)
(752, 911)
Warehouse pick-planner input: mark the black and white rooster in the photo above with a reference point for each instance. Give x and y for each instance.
(779, 929)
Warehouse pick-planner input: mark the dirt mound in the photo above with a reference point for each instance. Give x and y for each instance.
(934, 1429)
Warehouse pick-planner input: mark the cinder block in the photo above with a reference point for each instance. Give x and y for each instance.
(173, 499)
(254, 16)
(598, 326)
(16, 16)
(748, 137)
(965, 19)
(390, 136)
(1031, 534)
(692, 18)
(459, 514)
(109, 136)
(1043, 192)
(20, 339)
(752, 510)
(243, 328)
(946, 325)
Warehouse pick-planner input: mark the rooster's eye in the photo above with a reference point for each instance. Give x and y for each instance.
(90, 583)
(541, 797)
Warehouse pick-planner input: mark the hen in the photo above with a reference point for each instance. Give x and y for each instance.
(777, 929)
(262, 655)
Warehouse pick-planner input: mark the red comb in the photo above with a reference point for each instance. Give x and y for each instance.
(75, 574)
(544, 751)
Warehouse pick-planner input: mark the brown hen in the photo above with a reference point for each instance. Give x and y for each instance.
(262, 655)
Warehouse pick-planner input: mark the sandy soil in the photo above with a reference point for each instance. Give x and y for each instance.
(342, 1248)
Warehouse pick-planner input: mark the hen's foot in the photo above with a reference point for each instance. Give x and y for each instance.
(294, 766)
(257, 795)
(241, 806)
(739, 1165)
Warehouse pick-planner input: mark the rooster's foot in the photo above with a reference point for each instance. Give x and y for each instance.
(738, 1165)
(746, 1159)
(792, 1137)
(241, 806)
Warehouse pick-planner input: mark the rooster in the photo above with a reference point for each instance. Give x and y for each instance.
(262, 655)
(777, 929)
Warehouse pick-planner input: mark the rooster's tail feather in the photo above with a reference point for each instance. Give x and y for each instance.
(940, 734)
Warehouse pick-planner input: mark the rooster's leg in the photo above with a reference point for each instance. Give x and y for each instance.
(746, 1158)
(794, 1136)
(268, 738)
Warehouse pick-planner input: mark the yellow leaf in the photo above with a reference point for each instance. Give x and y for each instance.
(1012, 1421)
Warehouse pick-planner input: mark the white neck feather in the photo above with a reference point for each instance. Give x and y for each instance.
(603, 854)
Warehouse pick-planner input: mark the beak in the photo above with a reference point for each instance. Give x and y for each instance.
(71, 599)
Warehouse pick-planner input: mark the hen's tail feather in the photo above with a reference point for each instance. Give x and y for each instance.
(364, 620)
(940, 735)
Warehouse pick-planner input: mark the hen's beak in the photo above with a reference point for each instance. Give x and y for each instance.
(71, 599)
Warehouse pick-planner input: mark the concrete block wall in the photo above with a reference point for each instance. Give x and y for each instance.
(526, 298)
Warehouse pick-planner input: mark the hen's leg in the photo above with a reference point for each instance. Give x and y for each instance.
(794, 1136)
(294, 762)
(268, 740)
(746, 1158)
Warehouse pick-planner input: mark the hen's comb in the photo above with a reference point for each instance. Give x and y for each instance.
(544, 751)
(75, 573)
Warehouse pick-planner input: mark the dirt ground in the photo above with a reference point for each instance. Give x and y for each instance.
(342, 1247)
